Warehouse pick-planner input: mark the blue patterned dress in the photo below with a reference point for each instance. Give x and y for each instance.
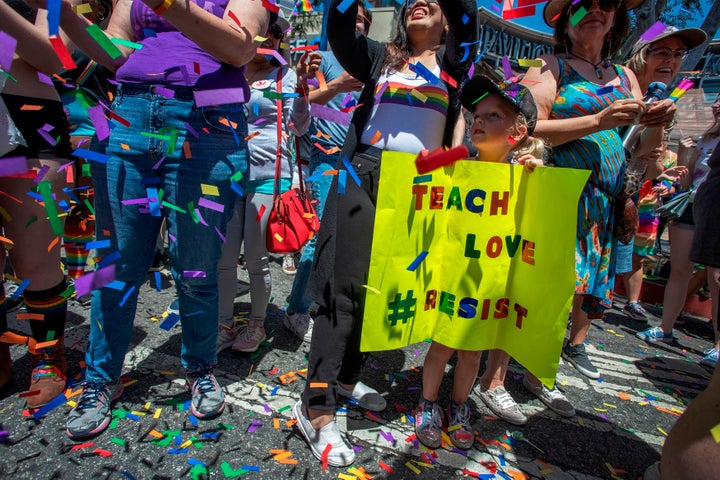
(602, 153)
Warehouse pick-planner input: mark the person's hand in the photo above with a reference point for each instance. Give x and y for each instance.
(686, 143)
(620, 113)
(530, 162)
(673, 174)
(661, 190)
(659, 114)
(347, 83)
(307, 65)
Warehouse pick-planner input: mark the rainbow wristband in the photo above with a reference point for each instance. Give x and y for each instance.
(162, 8)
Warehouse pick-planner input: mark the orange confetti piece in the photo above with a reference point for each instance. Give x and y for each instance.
(252, 135)
(318, 385)
(276, 423)
(375, 137)
(186, 149)
(155, 433)
(321, 81)
(6, 241)
(31, 108)
(228, 123)
(125, 146)
(54, 242)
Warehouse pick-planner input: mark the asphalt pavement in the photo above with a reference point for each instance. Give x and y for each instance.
(621, 422)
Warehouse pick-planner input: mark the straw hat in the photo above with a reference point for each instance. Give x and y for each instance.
(554, 7)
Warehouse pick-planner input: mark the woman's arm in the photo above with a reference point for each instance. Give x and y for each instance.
(542, 83)
(355, 52)
(296, 112)
(462, 18)
(32, 43)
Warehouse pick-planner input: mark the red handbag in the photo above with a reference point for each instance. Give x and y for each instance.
(292, 221)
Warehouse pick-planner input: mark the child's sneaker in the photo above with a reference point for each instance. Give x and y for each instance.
(458, 425)
(428, 423)
(655, 334)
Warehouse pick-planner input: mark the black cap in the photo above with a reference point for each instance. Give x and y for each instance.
(517, 95)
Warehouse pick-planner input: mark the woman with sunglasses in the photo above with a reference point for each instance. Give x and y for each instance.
(414, 60)
(582, 101)
(178, 129)
(248, 225)
(655, 61)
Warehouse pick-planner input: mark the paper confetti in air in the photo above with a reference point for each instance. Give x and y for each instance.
(220, 96)
(94, 280)
(656, 29)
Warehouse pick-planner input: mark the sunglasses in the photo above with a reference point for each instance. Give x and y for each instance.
(276, 31)
(666, 53)
(605, 5)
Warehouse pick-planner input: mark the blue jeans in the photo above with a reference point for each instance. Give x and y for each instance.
(299, 302)
(195, 241)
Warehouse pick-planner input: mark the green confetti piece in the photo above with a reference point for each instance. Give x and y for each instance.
(31, 221)
(577, 16)
(282, 409)
(50, 207)
(225, 426)
(156, 135)
(85, 170)
(118, 441)
(113, 424)
(89, 206)
(191, 211)
(105, 43)
(236, 177)
(198, 470)
(174, 207)
(126, 43)
(230, 472)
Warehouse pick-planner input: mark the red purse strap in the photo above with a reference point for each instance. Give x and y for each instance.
(278, 152)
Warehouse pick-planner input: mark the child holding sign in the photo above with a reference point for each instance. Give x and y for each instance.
(504, 118)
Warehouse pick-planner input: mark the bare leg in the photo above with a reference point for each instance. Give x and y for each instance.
(680, 271)
(580, 322)
(434, 369)
(634, 279)
(466, 371)
(495, 369)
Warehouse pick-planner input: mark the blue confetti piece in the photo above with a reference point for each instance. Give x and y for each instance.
(53, 17)
(177, 451)
(153, 201)
(50, 406)
(237, 188)
(604, 90)
(36, 196)
(250, 468)
(193, 420)
(158, 281)
(423, 71)
(151, 181)
(132, 417)
(274, 391)
(21, 288)
(465, 19)
(170, 321)
(506, 477)
(178, 439)
(210, 435)
(416, 263)
(69, 192)
(351, 170)
(127, 295)
(149, 32)
(345, 5)
(422, 179)
(90, 155)
(193, 462)
(116, 285)
(127, 474)
(109, 259)
(97, 244)
(501, 458)
(342, 179)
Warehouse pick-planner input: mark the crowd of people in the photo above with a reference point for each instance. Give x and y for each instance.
(212, 82)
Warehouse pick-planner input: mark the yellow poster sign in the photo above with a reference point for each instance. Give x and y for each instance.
(475, 256)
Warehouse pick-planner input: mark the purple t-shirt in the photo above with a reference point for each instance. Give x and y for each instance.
(168, 57)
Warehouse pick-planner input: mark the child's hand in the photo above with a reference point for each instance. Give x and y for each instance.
(530, 162)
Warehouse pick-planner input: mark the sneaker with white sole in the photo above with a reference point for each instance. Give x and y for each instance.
(288, 265)
(250, 337)
(300, 324)
(578, 358)
(635, 311)
(208, 399)
(341, 452)
(655, 334)
(554, 398)
(499, 401)
(366, 397)
(226, 336)
(174, 307)
(93, 411)
(711, 358)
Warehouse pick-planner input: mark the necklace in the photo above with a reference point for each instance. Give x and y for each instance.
(598, 71)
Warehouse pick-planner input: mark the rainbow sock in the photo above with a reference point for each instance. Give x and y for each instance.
(52, 307)
(76, 255)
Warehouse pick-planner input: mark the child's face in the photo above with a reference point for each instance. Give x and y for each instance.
(494, 124)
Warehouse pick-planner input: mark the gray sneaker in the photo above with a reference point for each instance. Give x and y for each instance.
(208, 399)
(92, 413)
(554, 398)
(499, 401)
(578, 358)
(300, 324)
